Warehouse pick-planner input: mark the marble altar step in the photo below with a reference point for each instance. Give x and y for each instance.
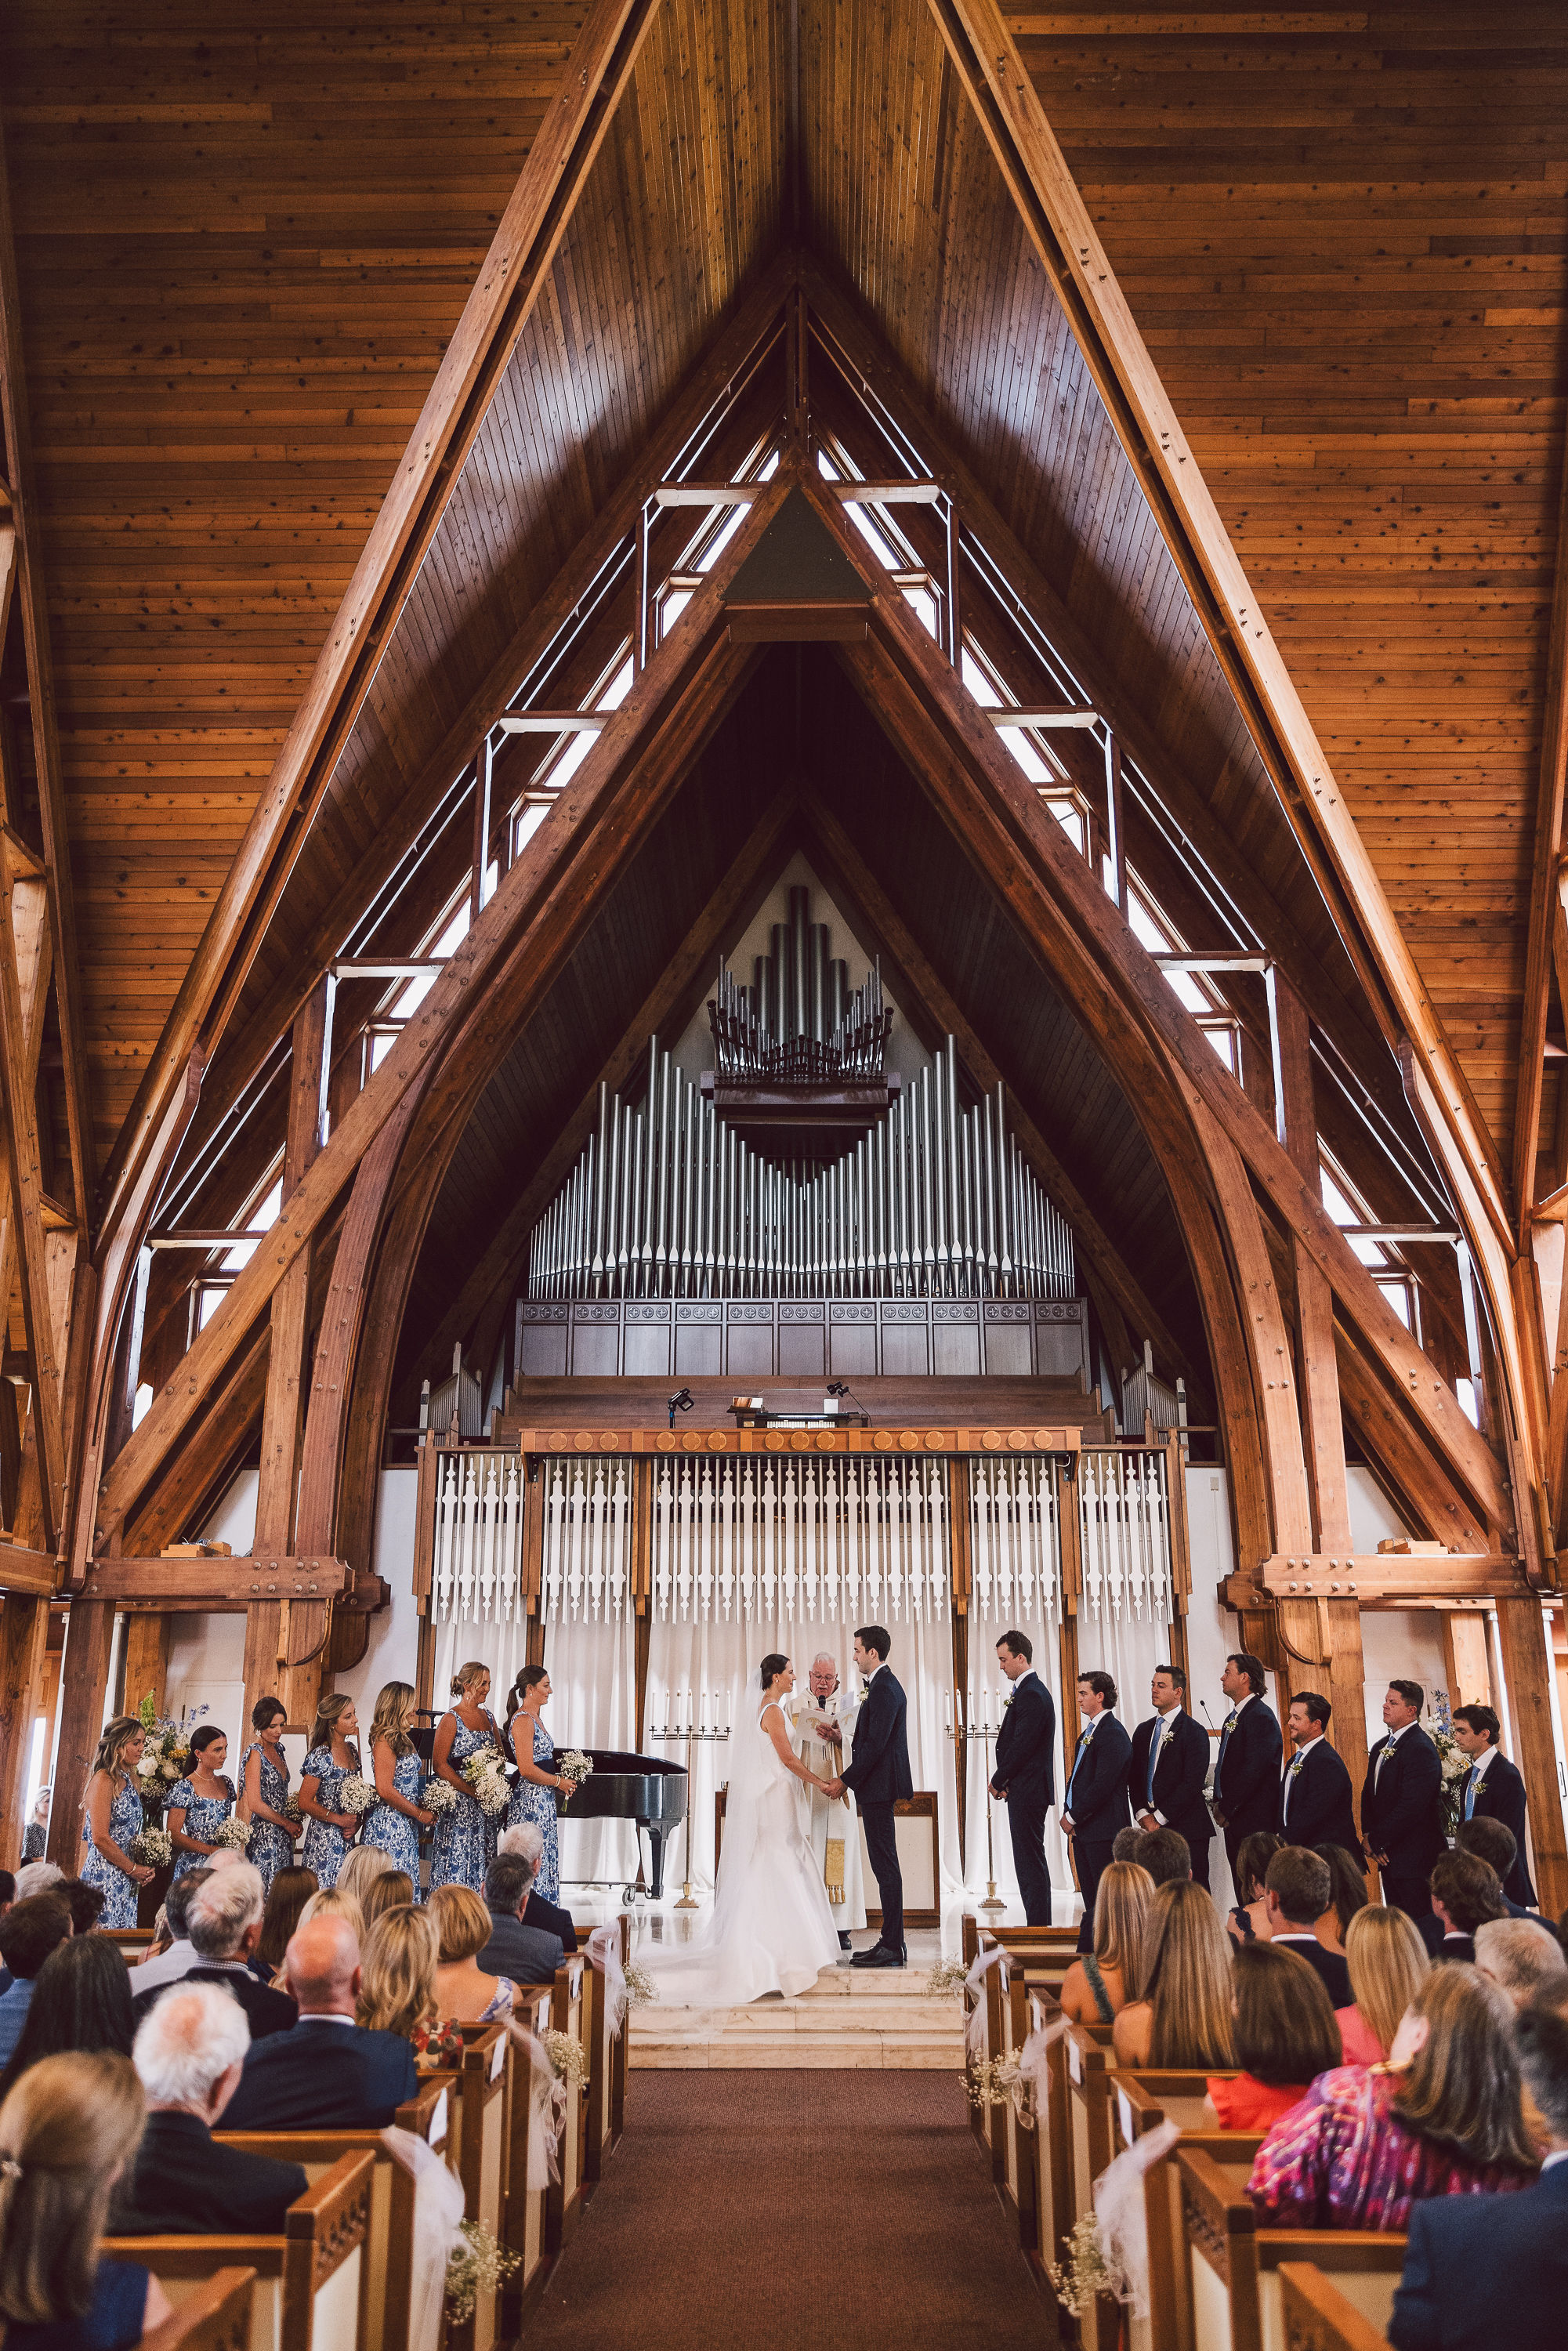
(852, 2019)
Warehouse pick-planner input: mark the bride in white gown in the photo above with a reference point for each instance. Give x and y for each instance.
(771, 1927)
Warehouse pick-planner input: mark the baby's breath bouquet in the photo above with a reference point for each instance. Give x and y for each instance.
(476, 2265)
(566, 2055)
(573, 1766)
(486, 1772)
(1085, 2275)
(989, 2080)
(152, 1847)
(1455, 1763)
(947, 1976)
(438, 1796)
(355, 1794)
(234, 1833)
(641, 1988)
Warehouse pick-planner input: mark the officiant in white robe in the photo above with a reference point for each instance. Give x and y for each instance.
(824, 1722)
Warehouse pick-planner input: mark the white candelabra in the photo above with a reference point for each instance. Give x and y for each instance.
(693, 1707)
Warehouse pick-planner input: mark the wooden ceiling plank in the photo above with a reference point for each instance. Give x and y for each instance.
(1545, 880)
(524, 245)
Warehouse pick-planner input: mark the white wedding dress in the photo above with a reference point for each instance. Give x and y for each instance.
(771, 1928)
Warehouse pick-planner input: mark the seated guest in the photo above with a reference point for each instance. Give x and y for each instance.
(393, 1889)
(190, 2053)
(1347, 1895)
(81, 2000)
(1285, 2037)
(1166, 1854)
(328, 2073)
(1387, 1964)
(529, 1839)
(464, 1991)
(1522, 1957)
(1465, 1894)
(1474, 2270)
(361, 1867)
(397, 1991)
(1443, 2117)
(68, 2131)
(225, 1920)
(332, 1902)
(168, 1967)
(1182, 2015)
(35, 1835)
(28, 1933)
(84, 1902)
(37, 1878)
(1099, 1984)
(1295, 1895)
(1250, 1919)
(1490, 1841)
(1124, 1844)
(521, 1953)
(290, 1890)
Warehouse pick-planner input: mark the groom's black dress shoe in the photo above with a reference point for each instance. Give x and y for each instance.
(881, 1955)
(844, 1941)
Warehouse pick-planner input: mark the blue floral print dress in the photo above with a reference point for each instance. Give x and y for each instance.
(532, 1802)
(464, 1844)
(326, 1848)
(393, 1831)
(205, 1815)
(268, 1850)
(126, 1818)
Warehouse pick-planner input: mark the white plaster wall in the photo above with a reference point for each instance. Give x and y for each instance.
(393, 1651)
(233, 1520)
(206, 1668)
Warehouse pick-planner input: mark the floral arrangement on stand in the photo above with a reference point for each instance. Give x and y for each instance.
(567, 2057)
(571, 1764)
(1085, 2275)
(166, 1756)
(153, 1847)
(476, 2265)
(234, 1833)
(486, 1772)
(1455, 1766)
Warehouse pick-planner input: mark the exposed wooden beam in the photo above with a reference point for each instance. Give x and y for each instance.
(26, 958)
(1546, 880)
(1296, 1123)
(199, 1583)
(493, 318)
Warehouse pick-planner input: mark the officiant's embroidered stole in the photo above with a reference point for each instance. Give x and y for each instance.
(833, 1869)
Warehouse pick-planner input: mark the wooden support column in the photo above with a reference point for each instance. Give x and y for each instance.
(24, 1635)
(1465, 1658)
(26, 963)
(1527, 1663)
(1296, 1123)
(147, 1657)
(273, 1637)
(89, 1637)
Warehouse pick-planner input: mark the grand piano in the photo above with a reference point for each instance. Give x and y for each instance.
(641, 1787)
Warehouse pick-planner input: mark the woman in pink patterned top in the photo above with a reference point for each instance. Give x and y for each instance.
(1441, 2118)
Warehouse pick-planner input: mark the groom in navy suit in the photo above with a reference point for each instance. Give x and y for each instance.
(879, 1776)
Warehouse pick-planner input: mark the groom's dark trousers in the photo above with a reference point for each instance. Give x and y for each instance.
(879, 1775)
(882, 1846)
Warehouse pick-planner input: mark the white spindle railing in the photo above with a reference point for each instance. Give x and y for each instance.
(1124, 1531)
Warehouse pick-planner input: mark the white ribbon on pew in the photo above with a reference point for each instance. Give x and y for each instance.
(1122, 2209)
(975, 1982)
(1029, 2088)
(605, 1953)
(437, 2217)
(546, 2105)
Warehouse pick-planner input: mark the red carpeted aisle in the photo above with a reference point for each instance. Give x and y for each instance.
(793, 2211)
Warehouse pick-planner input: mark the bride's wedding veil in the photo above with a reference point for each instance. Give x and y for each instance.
(750, 1752)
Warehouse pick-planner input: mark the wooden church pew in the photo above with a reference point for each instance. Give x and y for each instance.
(311, 2287)
(1141, 2101)
(528, 2196)
(606, 2065)
(1319, 2318)
(480, 2151)
(1238, 2302)
(563, 2208)
(216, 2318)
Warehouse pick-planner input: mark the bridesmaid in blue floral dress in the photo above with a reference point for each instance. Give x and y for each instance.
(199, 1804)
(464, 1844)
(394, 1823)
(114, 1815)
(331, 1760)
(533, 1752)
(264, 1776)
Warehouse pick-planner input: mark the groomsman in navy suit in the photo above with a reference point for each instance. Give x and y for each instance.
(1095, 1805)
(1025, 1774)
(1316, 1806)
(1168, 1767)
(1399, 1804)
(1247, 1772)
(1493, 1790)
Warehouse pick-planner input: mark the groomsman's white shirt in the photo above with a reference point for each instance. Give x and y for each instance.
(1395, 1736)
(1305, 1748)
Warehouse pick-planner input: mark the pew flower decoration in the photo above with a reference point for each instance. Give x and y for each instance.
(235, 1834)
(476, 2265)
(641, 1988)
(486, 1772)
(573, 1766)
(152, 1847)
(989, 2081)
(1085, 2275)
(1455, 1766)
(947, 1976)
(355, 1794)
(567, 2058)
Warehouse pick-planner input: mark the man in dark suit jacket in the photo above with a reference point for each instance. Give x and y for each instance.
(1246, 1770)
(223, 1920)
(1025, 1772)
(1399, 1802)
(1494, 1790)
(1296, 1892)
(528, 1839)
(1094, 1806)
(329, 2073)
(1480, 2265)
(190, 2053)
(1170, 1795)
(519, 1952)
(1465, 1894)
(1315, 1805)
(880, 1777)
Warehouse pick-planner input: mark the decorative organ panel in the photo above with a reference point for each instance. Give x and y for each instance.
(1015, 1556)
(1124, 1531)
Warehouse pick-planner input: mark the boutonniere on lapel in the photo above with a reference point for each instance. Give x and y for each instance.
(1006, 1703)
(1296, 1764)
(1390, 1747)
(1231, 1719)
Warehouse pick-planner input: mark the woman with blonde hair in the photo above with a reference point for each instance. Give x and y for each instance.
(1097, 1987)
(1442, 2118)
(68, 2130)
(1183, 2015)
(392, 1890)
(1388, 1964)
(333, 1902)
(360, 1870)
(331, 1760)
(464, 1844)
(393, 1822)
(397, 1985)
(113, 1816)
(463, 1991)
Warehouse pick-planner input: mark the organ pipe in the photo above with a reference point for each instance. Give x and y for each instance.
(668, 1201)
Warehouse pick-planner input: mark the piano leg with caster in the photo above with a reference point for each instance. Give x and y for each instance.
(656, 1839)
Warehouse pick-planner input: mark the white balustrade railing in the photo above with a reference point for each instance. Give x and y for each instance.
(770, 1540)
(1015, 1559)
(476, 1558)
(1125, 1533)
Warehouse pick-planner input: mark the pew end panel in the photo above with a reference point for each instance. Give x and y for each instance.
(1317, 2316)
(568, 2014)
(216, 2318)
(1237, 2294)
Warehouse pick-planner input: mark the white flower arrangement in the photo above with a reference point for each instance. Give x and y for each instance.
(486, 1772)
(947, 1976)
(641, 1988)
(152, 1847)
(476, 2265)
(234, 1833)
(989, 2080)
(1085, 2275)
(567, 2058)
(167, 1755)
(1455, 1764)
(573, 1766)
(438, 1795)
(355, 1794)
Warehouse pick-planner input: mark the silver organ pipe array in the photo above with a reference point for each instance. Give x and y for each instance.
(935, 1201)
(850, 1046)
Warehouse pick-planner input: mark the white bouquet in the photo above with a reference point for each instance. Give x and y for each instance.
(355, 1794)
(437, 1795)
(567, 2057)
(234, 1833)
(1455, 1764)
(486, 1772)
(575, 1766)
(154, 1848)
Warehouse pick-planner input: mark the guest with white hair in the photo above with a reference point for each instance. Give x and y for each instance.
(224, 1919)
(179, 1956)
(1523, 1957)
(190, 2052)
(35, 1835)
(37, 1878)
(527, 1839)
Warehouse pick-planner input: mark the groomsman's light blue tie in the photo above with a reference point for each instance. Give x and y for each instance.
(1471, 1784)
(1155, 1756)
(1083, 1738)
